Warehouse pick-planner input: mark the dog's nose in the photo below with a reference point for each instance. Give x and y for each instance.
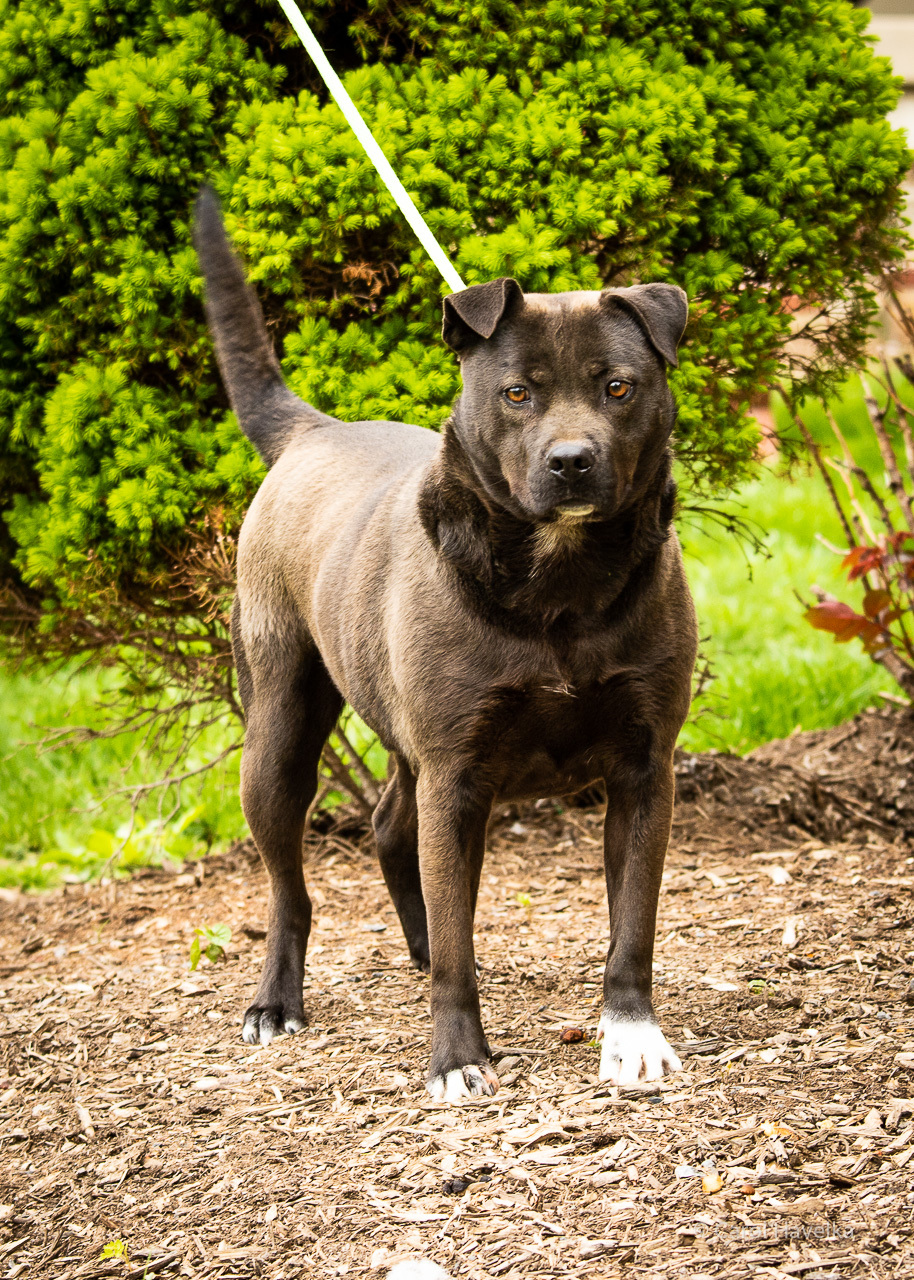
(570, 461)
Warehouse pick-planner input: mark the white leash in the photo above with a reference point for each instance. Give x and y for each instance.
(374, 152)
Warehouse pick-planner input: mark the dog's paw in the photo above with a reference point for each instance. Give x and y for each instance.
(476, 1080)
(263, 1023)
(634, 1051)
(420, 1269)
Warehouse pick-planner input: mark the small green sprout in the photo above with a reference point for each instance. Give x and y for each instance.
(210, 941)
(523, 900)
(116, 1249)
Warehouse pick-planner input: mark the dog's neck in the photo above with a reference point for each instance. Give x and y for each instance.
(542, 576)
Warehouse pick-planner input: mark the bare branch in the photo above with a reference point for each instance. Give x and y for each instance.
(877, 418)
(344, 779)
(816, 455)
(357, 764)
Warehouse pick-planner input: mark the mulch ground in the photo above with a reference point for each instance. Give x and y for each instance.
(131, 1111)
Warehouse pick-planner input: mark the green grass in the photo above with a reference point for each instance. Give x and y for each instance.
(59, 818)
(774, 672)
(62, 818)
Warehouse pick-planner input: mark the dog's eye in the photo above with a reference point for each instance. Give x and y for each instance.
(618, 389)
(517, 395)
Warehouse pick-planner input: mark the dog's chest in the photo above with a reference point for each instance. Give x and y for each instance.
(555, 737)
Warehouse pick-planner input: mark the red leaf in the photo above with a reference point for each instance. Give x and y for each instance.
(830, 615)
(840, 619)
(875, 601)
(861, 560)
(853, 557)
(874, 638)
(859, 627)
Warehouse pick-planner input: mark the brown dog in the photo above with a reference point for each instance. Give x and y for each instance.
(504, 604)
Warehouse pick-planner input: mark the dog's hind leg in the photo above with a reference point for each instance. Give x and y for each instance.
(396, 828)
(291, 707)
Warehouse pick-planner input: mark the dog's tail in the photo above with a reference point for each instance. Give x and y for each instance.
(265, 407)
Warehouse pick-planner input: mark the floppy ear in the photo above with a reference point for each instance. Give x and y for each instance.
(661, 309)
(475, 313)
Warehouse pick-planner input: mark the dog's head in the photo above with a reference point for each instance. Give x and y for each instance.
(565, 411)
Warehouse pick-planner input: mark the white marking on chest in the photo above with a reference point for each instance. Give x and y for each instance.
(634, 1051)
(558, 537)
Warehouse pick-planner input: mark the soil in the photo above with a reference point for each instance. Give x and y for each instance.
(130, 1110)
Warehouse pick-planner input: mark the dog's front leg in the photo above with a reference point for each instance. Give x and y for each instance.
(452, 834)
(637, 832)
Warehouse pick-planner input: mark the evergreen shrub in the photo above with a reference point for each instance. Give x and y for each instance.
(740, 151)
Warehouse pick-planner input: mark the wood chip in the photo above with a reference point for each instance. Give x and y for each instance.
(127, 1112)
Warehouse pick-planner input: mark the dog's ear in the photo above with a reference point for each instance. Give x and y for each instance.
(476, 312)
(661, 310)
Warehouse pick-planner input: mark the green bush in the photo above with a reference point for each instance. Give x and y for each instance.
(741, 152)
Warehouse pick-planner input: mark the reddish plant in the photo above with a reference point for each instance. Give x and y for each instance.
(881, 625)
(882, 562)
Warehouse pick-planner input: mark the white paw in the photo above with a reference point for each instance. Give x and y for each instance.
(262, 1026)
(634, 1052)
(420, 1270)
(464, 1082)
(250, 1032)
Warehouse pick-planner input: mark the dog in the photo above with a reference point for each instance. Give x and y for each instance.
(503, 603)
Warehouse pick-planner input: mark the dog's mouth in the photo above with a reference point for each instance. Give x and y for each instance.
(574, 510)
